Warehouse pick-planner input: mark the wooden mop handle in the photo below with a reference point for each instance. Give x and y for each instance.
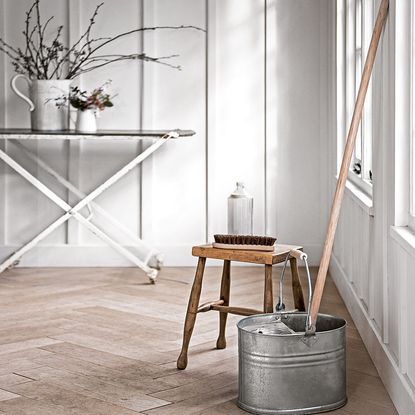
(347, 156)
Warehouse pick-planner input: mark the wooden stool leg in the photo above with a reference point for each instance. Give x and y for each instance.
(224, 295)
(296, 286)
(191, 313)
(268, 296)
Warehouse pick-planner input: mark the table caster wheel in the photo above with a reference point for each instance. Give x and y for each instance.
(152, 275)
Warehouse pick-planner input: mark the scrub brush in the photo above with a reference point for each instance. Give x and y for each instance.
(247, 242)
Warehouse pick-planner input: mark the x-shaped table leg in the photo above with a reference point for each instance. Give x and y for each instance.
(152, 257)
(74, 211)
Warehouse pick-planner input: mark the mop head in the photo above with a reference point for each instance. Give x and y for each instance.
(246, 242)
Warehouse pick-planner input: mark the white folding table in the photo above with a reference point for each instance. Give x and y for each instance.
(146, 260)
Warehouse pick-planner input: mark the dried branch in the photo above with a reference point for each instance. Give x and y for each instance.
(40, 49)
(91, 23)
(46, 25)
(10, 48)
(108, 59)
(43, 60)
(74, 71)
(86, 34)
(26, 34)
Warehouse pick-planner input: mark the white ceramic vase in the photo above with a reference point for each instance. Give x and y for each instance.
(86, 121)
(44, 113)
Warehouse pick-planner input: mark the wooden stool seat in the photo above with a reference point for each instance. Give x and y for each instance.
(268, 259)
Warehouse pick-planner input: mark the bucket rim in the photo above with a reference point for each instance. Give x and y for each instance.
(298, 334)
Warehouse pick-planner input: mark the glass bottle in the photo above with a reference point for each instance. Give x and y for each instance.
(240, 211)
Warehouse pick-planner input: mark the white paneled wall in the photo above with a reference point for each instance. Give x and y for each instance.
(243, 89)
(373, 262)
(353, 252)
(381, 305)
(237, 71)
(409, 318)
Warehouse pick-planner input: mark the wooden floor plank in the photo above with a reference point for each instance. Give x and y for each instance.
(6, 395)
(105, 341)
(12, 379)
(120, 395)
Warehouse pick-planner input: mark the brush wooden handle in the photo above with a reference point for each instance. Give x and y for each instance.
(347, 156)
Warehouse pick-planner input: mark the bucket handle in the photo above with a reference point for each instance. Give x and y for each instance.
(302, 256)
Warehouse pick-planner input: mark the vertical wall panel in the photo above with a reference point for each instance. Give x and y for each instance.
(338, 239)
(178, 99)
(403, 310)
(349, 239)
(271, 117)
(22, 198)
(299, 188)
(237, 144)
(410, 318)
(54, 153)
(355, 246)
(74, 148)
(147, 111)
(99, 160)
(3, 176)
(393, 301)
(365, 256)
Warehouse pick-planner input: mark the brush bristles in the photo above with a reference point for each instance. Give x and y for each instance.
(245, 240)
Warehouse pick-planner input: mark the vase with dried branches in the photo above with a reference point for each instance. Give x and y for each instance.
(49, 66)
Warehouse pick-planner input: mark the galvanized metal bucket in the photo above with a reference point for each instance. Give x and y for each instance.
(291, 371)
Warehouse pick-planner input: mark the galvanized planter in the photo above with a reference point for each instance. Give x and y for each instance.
(291, 373)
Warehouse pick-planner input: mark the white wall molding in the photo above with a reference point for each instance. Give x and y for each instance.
(3, 169)
(211, 87)
(147, 122)
(74, 147)
(397, 384)
(237, 147)
(271, 115)
(402, 110)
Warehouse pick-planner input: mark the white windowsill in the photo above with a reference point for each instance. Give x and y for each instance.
(405, 237)
(364, 185)
(362, 198)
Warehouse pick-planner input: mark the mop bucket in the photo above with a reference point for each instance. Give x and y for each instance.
(286, 366)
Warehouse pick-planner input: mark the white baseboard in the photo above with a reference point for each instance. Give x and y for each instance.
(104, 256)
(68, 256)
(395, 382)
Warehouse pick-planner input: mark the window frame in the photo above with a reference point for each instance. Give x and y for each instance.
(365, 133)
(411, 210)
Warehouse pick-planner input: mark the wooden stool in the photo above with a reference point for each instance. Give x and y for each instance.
(222, 305)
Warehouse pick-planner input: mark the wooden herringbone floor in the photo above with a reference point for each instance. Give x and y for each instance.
(104, 341)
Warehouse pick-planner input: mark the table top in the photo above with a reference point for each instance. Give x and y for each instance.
(239, 255)
(27, 134)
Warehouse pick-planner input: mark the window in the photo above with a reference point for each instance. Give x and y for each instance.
(412, 181)
(362, 25)
(358, 52)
